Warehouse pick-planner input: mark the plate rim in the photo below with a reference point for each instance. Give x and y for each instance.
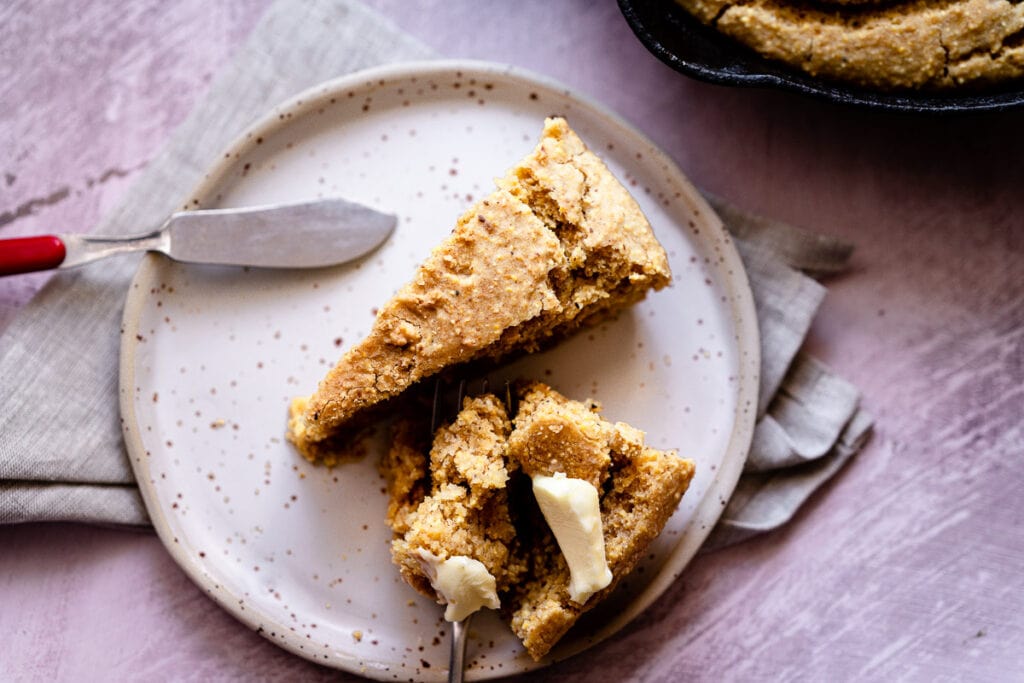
(736, 285)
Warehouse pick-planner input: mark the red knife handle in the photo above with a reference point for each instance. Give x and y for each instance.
(26, 254)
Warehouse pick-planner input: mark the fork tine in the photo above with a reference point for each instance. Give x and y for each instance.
(460, 396)
(439, 412)
(508, 399)
(435, 412)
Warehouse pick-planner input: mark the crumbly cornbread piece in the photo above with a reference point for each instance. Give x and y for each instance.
(466, 511)
(560, 244)
(406, 469)
(894, 45)
(640, 488)
(554, 434)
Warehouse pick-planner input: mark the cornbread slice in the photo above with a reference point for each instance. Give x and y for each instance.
(639, 489)
(559, 244)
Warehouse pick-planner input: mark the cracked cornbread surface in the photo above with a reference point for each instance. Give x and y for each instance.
(559, 244)
(456, 507)
(899, 44)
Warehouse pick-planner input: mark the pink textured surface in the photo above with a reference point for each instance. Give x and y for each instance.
(906, 567)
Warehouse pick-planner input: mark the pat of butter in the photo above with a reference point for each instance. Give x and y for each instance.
(573, 511)
(461, 582)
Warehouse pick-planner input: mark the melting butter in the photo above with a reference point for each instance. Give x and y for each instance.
(573, 511)
(461, 582)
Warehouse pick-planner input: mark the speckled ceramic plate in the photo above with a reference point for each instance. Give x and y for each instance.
(212, 357)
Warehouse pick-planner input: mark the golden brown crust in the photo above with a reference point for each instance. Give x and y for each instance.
(893, 45)
(559, 244)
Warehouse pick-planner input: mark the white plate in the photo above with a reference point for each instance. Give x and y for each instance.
(213, 355)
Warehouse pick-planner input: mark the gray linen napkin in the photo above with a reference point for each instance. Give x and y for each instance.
(61, 453)
(809, 420)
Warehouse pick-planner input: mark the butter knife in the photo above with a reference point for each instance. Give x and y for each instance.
(309, 234)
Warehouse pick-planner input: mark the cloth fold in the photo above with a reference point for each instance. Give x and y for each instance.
(806, 418)
(61, 453)
(764, 501)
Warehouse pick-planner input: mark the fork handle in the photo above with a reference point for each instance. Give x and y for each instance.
(28, 254)
(457, 658)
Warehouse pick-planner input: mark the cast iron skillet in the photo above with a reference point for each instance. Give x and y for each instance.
(688, 46)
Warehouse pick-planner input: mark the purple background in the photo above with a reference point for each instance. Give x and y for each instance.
(908, 566)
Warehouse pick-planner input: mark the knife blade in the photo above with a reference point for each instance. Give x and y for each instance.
(310, 234)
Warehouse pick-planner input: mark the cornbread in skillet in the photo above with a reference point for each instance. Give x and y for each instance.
(491, 465)
(892, 45)
(559, 244)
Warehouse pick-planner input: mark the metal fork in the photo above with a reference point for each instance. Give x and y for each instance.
(460, 629)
